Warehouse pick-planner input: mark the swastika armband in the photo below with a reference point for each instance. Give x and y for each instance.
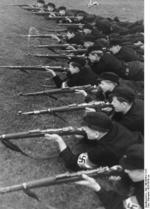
(84, 162)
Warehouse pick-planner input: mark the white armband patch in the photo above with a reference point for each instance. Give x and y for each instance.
(131, 203)
(83, 161)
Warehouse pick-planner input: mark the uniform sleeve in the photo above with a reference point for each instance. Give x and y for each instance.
(69, 159)
(110, 199)
(76, 162)
(57, 81)
(88, 99)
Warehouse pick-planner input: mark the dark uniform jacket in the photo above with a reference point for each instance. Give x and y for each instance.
(134, 119)
(127, 54)
(133, 70)
(84, 77)
(99, 96)
(132, 198)
(108, 63)
(105, 152)
(77, 39)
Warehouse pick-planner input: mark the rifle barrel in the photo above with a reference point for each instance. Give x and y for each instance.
(54, 46)
(71, 24)
(58, 179)
(31, 8)
(57, 91)
(41, 13)
(38, 36)
(76, 51)
(36, 68)
(50, 46)
(39, 133)
(60, 56)
(67, 108)
(61, 17)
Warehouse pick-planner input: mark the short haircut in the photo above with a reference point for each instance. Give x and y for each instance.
(51, 5)
(62, 8)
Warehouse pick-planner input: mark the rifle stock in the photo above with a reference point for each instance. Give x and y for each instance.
(60, 179)
(58, 91)
(39, 133)
(67, 108)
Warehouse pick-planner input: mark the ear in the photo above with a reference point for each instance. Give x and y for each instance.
(125, 104)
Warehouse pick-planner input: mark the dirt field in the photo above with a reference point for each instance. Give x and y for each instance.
(15, 168)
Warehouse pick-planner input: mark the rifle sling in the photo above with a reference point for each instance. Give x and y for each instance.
(16, 148)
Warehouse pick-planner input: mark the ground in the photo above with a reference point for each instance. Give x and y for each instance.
(14, 167)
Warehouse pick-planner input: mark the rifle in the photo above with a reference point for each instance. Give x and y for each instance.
(68, 108)
(61, 17)
(35, 68)
(40, 133)
(31, 8)
(71, 24)
(57, 17)
(19, 5)
(58, 91)
(76, 51)
(5, 138)
(60, 56)
(54, 46)
(41, 13)
(57, 30)
(60, 179)
(40, 35)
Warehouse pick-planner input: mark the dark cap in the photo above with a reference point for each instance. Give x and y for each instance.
(72, 30)
(88, 26)
(81, 13)
(96, 49)
(51, 5)
(134, 158)
(89, 38)
(101, 42)
(109, 76)
(41, 1)
(78, 60)
(115, 43)
(61, 8)
(98, 121)
(124, 93)
(90, 18)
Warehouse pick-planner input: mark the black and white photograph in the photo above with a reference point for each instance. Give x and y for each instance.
(72, 104)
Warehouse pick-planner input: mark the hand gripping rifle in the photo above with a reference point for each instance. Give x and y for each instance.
(35, 68)
(68, 108)
(39, 133)
(59, 91)
(6, 138)
(59, 179)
